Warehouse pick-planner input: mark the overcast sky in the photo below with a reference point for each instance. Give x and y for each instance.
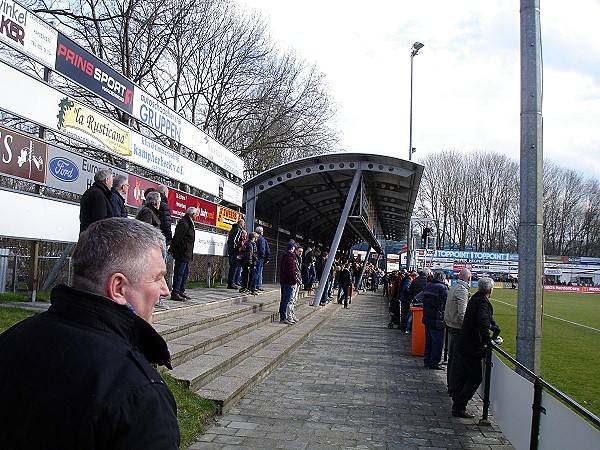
(466, 78)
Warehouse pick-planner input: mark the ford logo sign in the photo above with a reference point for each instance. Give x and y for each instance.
(64, 169)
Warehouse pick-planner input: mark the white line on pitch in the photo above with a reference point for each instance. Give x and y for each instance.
(554, 317)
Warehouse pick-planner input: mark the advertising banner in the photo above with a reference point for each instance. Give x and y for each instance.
(582, 289)
(137, 187)
(93, 74)
(22, 156)
(227, 217)
(57, 111)
(393, 262)
(179, 202)
(163, 119)
(25, 32)
(71, 172)
(210, 243)
(92, 127)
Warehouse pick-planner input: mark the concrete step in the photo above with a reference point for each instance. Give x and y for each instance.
(229, 387)
(176, 323)
(231, 344)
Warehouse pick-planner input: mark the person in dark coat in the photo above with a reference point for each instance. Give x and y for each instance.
(234, 239)
(80, 375)
(182, 249)
(248, 262)
(118, 194)
(473, 338)
(435, 294)
(150, 212)
(287, 279)
(95, 202)
(165, 213)
(345, 281)
(263, 254)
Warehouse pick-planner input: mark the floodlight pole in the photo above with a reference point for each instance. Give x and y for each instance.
(414, 51)
(529, 305)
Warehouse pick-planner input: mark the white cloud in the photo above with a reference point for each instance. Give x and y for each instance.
(466, 78)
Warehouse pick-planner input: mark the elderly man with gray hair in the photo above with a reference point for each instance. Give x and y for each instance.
(119, 190)
(473, 338)
(263, 253)
(182, 249)
(95, 203)
(458, 296)
(80, 375)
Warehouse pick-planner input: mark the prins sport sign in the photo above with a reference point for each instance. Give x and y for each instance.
(90, 72)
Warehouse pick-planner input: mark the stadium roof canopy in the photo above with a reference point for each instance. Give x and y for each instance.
(360, 197)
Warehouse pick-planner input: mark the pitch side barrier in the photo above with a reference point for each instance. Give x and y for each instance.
(531, 412)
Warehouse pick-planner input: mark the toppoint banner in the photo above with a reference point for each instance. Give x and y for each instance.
(22, 156)
(90, 72)
(24, 31)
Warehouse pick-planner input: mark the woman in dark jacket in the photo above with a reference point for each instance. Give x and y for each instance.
(435, 294)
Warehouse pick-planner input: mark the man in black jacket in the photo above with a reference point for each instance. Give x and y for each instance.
(118, 193)
(234, 240)
(80, 375)
(182, 249)
(96, 202)
(473, 338)
(165, 213)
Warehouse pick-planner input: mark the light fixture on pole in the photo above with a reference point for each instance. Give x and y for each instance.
(414, 51)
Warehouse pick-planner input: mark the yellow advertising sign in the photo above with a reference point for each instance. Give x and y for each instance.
(227, 217)
(84, 122)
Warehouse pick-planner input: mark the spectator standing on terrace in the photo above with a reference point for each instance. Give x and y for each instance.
(291, 308)
(80, 375)
(182, 249)
(248, 263)
(150, 212)
(263, 253)
(435, 294)
(119, 190)
(165, 213)
(308, 268)
(470, 348)
(234, 240)
(405, 300)
(345, 280)
(287, 279)
(458, 296)
(95, 202)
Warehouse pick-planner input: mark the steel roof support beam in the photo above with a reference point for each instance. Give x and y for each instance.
(338, 236)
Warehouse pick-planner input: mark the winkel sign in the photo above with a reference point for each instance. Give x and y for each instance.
(24, 31)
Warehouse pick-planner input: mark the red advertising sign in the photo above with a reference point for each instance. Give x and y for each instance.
(137, 186)
(22, 156)
(562, 288)
(179, 202)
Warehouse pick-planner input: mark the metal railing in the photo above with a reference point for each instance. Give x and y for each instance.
(539, 385)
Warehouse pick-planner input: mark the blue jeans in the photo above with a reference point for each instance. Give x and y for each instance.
(434, 343)
(258, 276)
(233, 265)
(287, 292)
(180, 276)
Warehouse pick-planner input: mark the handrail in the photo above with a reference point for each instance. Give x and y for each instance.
(562, 396)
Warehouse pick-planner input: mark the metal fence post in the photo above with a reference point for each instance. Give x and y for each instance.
(538, 409)
(486, 386)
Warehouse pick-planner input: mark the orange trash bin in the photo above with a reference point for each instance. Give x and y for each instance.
(418, 331)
